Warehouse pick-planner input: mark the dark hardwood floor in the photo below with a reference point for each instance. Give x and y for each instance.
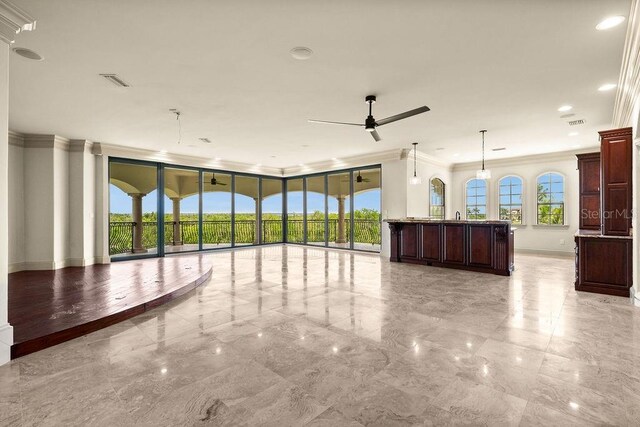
(49, 307)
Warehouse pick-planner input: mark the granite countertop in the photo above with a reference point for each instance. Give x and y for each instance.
(448, 221)
(597, 234)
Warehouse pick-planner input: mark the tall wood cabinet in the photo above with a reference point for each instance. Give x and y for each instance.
(604, 247)
(589, 173)
(616, 157)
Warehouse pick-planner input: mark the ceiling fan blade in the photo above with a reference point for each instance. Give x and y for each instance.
(375, 135)
(334, 123)
(404, 115)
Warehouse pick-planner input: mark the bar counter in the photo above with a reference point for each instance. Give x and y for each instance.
(484, 245)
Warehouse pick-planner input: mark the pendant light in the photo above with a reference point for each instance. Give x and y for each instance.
(483, 173)
(415, 179)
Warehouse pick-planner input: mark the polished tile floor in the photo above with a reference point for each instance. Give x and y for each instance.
(292, 336)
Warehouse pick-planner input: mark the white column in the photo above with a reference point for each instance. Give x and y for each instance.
(6, 331)
(12, 20)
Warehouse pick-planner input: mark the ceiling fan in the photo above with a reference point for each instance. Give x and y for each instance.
(214, 181)
(371, 124)
(359, 179)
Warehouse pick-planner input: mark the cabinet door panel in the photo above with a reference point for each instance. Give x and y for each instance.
(430, 242)
(409, 241)
(454, 243)
(590, 211)
(480, 245)
(598, 266)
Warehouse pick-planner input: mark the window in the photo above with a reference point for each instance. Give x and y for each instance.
(550, 191)
(510, 192)
(476, 199)
(436, 204)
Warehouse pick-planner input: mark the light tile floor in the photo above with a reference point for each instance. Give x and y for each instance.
(292, 335)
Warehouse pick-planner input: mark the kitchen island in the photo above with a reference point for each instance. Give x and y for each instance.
(484, 246)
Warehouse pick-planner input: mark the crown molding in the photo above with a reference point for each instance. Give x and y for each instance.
(524, 160)
(345, 162)
(46, 141)
(13, 20)
(80, 146)
(111, 150)
(627, 100)
(16, 139)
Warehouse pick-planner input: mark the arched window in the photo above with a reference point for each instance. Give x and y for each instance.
(476, 194)
(550, 192)
(510, 204)
(436, 198)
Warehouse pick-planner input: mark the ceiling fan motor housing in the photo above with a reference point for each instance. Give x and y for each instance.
(370, 124)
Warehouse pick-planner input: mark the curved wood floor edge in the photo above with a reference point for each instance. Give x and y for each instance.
(47, 308)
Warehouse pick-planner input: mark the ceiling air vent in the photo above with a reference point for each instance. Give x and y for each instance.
(576, 122)
(113, 78)
(207, 140)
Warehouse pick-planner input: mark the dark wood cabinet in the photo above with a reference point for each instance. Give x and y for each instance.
(480, 245)
(454, 243)
(589, 173)
(616, 182)
(468, 245)
(409, 241)
(430, 242)
(604, 264)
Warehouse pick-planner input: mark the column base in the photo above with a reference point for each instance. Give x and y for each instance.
(140, 251)
(6, 340)
(176, 244)
(341, 241)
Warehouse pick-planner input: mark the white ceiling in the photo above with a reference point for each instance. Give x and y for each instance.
(501, 65)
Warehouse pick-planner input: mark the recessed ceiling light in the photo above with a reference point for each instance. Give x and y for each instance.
(565, 108)
(606, 87)
(610, 22)
(573, 133)
(301, 53)
(27, 53)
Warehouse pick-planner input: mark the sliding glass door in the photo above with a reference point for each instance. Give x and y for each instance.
(316, 210)
(246, 197)
(181, 210)
(216, 210)
(339, 209)
(271, 213)
(133, 209)
(339, 204)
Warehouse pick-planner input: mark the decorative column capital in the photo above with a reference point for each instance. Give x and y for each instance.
(13, 20)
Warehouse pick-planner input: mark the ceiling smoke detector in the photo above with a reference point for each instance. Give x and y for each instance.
(113, 78)
(27, 53)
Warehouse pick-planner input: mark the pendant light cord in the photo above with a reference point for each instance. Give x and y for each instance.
(482, 132)
(415, 157)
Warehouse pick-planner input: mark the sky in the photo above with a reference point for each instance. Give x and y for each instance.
(220, 202)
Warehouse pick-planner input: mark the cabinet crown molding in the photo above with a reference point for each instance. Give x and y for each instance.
(13, 20)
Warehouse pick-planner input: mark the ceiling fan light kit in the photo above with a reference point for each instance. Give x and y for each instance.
(370, 124)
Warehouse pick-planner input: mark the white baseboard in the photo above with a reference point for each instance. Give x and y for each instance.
(6, 340)
(546, 252)
(54, 265)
